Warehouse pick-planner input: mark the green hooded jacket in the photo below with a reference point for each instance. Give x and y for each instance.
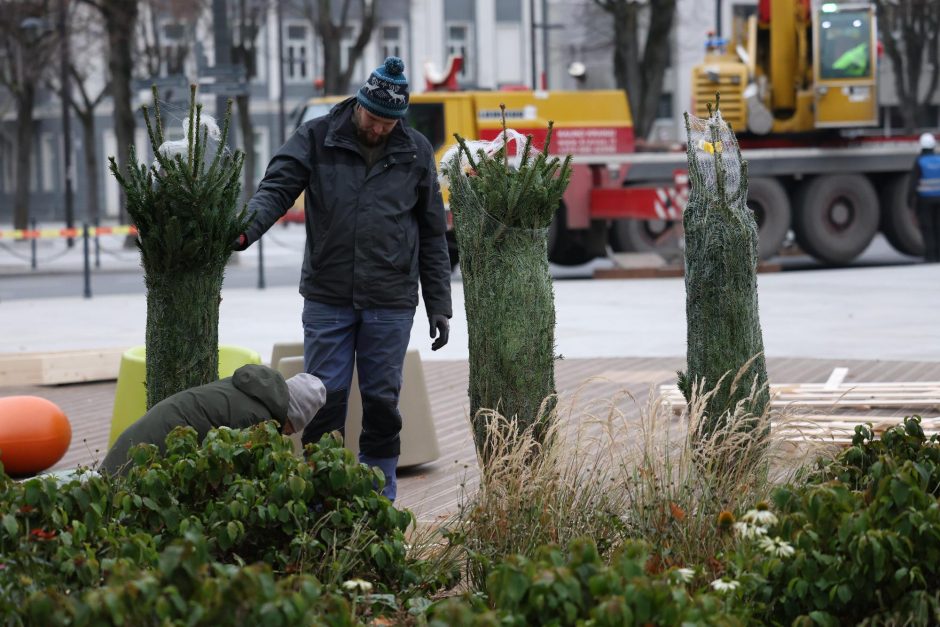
(252, 395)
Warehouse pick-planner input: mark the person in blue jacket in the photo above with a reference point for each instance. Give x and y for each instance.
(924, 196)
(375, 230)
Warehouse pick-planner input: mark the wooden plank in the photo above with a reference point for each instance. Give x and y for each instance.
(60, 367)
(835, 379)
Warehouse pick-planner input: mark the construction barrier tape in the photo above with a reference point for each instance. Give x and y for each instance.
(58, 233)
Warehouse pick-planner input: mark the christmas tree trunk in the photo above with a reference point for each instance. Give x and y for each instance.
(501, 219)
(724, 335)
(184, 207)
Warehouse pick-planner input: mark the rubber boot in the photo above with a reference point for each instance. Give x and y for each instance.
(387, 465)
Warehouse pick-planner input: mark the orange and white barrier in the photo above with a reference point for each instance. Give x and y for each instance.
(21, 234)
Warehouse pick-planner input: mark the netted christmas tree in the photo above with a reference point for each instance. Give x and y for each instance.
(502, 211)
(725, 342)
(184, 205)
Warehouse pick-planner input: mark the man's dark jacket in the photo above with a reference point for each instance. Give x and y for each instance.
(250, 396)
(371, 232)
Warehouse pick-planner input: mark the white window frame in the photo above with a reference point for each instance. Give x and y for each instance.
(387, 47)
(305, 54)
(171, 42)
(464, 48)
(261, 51)
(350, 34)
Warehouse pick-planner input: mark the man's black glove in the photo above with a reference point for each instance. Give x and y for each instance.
(440, 327)
(240, 243)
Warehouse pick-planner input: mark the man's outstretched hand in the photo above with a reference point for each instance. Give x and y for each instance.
(440, 328)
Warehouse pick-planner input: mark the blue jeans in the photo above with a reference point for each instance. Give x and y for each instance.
(375, 340)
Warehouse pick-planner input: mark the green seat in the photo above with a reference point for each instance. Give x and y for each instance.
(130, 397)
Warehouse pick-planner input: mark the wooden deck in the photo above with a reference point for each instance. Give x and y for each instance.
(434, 489)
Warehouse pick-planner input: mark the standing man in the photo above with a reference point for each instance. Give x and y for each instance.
(924, 196)
(375, 226)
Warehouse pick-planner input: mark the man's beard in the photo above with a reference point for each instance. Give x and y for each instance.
(370, 139)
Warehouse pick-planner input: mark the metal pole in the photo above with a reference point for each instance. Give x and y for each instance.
(223, 52)
(97, 244)
(66, 124)
(87, 272)
(544, 25)
(32, 246)
(281, 116)
(535, 77)
(718, 19)
(261, 283)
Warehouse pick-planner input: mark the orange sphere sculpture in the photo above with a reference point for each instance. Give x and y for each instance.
(34, 434)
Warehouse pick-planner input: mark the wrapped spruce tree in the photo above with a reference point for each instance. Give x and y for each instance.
(725, 343)
(184, 205)
(502, 211)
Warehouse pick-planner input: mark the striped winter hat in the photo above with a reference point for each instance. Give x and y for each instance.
(385, 94)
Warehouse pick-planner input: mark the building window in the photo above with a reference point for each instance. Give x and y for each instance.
(460, 42)
(390, 40)
(6, 165)
(173, 47)
(252, 47)
(508, 10)
(297, 53)
(348, 44)
(664, 107)
(262, 153)
(47, 150)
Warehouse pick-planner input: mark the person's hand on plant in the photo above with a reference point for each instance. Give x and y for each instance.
(440, 328)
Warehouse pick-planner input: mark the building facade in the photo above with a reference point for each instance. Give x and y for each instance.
(558, 44)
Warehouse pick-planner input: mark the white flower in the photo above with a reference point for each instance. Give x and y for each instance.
(358, 584)
(776, 546)
(748, 531)
(684, 575)
(720, 585)
(760, 517)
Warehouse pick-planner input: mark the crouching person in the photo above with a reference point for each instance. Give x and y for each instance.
(252, 395)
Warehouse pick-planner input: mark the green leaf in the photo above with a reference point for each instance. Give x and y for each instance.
(9, 523)
(824, 619)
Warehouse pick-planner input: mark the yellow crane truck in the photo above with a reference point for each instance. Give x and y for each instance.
(798, 82)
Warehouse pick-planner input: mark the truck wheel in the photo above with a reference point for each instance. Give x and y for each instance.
(642, 236)
(898, 222)
(767, 198)
(836, 217)
(564, 248)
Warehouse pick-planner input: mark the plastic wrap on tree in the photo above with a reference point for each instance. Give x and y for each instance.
(725, 342)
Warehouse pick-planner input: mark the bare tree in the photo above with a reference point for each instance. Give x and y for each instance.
(156, 55)
(87, 77)
(640, 74)
(120, 19)
(247, 22)
(910, 32)
(157, 58)
(27, 43)
(330, 19)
